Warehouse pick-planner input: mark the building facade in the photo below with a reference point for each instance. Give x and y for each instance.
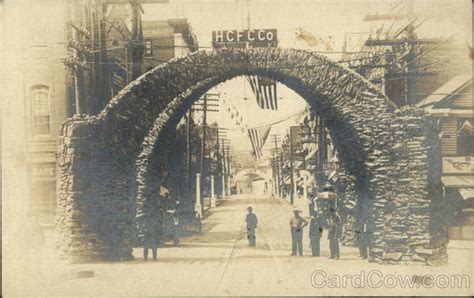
(35, 91)
(56, 67)
(452, 105)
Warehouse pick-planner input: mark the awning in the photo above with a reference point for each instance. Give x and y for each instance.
(466, 193)
(458, 181)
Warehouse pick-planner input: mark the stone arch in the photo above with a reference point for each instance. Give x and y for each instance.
(381, 146)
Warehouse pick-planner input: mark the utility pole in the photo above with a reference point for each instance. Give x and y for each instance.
(282, 164)
(278, 182)
(208, 103)
(224, 169)
(78, 60)
(322, 149)
(405, 45)
(136, 45)
(221, 134)
(78, 75)
(217, 173)
(203, 141)
(228, 169)
(275, 172)
(292, 179)
(188, 145)
(204, 106)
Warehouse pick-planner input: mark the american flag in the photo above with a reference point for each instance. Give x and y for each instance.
(258, 136)
(265, 92)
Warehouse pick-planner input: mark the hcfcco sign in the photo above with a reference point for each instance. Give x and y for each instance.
(253, 35)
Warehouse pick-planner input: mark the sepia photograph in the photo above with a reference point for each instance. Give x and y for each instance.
(237, 148)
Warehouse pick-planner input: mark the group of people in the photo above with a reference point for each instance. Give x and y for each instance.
(316, 226)
(297, 225)
(321, 217)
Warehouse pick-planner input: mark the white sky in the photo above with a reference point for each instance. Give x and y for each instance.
(322, 18)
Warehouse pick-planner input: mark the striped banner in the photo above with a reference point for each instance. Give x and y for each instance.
(265, 92)
(257, 137)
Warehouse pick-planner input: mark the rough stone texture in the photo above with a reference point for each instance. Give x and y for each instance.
(106, 177)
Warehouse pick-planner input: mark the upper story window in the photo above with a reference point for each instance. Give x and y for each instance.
(40, 111)
(148, 48)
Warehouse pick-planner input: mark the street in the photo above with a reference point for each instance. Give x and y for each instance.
(219, 262)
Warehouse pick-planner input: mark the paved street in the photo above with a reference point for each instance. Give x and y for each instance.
(219, 262)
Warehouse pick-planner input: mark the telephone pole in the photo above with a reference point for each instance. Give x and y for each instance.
(203, 141)
(208, 103)
(188, 145)
(406, 48)
(292, 179)
(322, 151)
(277, 168)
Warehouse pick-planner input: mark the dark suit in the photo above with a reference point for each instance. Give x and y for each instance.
(151, 231)
(315, 233)
(251, 221)
(363, 234)
(335, 232)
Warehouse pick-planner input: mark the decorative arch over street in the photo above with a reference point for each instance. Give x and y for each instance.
(106, 178)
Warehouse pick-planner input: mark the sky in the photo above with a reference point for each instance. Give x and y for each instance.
(325, 18)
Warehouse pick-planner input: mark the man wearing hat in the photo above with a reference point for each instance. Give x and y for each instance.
(297, 223)
(251, 221)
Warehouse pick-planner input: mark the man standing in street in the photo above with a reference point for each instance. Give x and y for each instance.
(151, 228)
(363, 234)
(335, 231)
(315, 233)
(297, 223)
(251, 221)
